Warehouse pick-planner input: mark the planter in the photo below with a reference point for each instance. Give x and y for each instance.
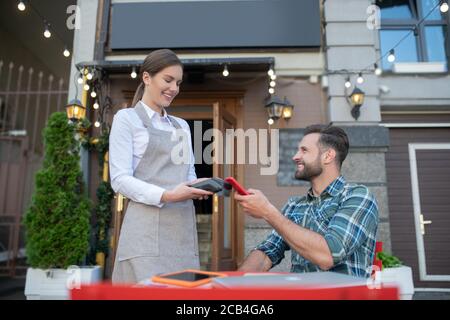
(400, 277)
(54, 284)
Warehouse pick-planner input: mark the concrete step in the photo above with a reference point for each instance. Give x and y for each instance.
(204, 246)
(204, 218)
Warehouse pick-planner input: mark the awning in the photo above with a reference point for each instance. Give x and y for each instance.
(259, 64)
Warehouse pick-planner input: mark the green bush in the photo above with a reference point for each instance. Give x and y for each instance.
(388, 261)
(57, 221)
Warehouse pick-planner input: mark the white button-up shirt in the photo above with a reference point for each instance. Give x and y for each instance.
(128, 141)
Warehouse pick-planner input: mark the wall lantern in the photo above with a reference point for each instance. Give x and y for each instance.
(287, 109)
(356, 100)
(274, 107)
(277, 108)
(75, 110)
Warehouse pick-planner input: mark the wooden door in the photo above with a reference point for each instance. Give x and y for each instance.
(224, 220)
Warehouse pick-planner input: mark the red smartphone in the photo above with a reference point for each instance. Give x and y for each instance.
(236, 186)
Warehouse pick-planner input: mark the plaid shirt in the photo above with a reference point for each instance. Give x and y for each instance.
(345, 215)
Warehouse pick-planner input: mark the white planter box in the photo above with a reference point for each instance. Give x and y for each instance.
(400, 277)
(54, 284)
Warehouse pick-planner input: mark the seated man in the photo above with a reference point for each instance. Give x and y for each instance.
(332, 228)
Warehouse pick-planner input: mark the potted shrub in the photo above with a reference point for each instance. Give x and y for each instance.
(395, 273)
(57, 221)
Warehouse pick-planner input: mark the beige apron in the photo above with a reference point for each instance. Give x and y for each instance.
(157, 240)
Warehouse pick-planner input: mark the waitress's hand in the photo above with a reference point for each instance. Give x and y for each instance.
(184, 192)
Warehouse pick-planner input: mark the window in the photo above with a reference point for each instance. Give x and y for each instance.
(427, 42)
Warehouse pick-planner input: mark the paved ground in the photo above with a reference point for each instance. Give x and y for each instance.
(13, 289)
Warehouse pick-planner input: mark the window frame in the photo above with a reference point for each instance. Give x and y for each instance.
(419, 34)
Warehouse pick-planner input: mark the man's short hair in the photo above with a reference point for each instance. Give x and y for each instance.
(331, 137)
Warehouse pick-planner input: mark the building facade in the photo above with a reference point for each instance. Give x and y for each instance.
(399, 143)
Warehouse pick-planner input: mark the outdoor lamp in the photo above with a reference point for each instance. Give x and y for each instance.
(356, 100)
(287, 109)
(274, 107)
(75, 110)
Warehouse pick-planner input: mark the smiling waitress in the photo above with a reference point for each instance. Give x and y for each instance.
(159, 232)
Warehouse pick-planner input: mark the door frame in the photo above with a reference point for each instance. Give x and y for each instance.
(412, 147)
(232, 102)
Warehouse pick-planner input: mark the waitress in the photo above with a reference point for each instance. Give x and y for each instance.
(159, 232)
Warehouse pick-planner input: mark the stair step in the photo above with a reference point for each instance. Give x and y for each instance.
(204, 218)
(204, 246)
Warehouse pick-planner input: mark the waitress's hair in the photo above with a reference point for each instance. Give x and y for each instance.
(155, 62)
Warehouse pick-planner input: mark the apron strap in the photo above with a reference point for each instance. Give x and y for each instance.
(142, 114)
(174, 122)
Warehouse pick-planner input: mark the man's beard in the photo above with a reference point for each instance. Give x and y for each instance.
(309, 171)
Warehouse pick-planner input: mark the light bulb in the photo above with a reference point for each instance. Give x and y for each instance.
(360, 78)
(133, 73)
(86, 87)
(93, 94)
(270, 121)
(89, 75)
(271, 90)
(47, 32)
(348, 84)
(272, 83)
(97, 124)
(225, 72)
(21, 6)
(378, 70)
(66, 52)
(95, 106)
(391, 56)
(444, 7)
(273, 77)
(80, 80)
(270, 72)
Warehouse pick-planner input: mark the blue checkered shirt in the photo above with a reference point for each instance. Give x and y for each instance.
(345, 215)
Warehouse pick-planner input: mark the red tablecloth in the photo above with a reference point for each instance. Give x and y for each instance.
(107, 291)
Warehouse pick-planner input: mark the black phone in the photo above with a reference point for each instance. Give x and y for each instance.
(213, 184)
(187, 278)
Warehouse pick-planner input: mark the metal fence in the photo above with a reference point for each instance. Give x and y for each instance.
(27, 98)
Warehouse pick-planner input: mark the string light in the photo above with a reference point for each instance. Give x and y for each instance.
(93, 94)
(348, 84)
(66, 52)
(225, 72)
(89, 75)
(360, 78)
(271, 72)
(270, 121)
(80, 80)
(378, 70)
(86, 87)
(391, 56)
(47, 32)
(133, 73)
(271, 90)
(95, 106)
(272, 83)
(24, 4)
(21, 6)
(443, 6)
(97, 124)
(273, 77)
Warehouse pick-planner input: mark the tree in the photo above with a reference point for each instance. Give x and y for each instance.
(57, 221)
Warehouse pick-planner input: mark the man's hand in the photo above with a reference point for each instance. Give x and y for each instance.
(256, 204)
